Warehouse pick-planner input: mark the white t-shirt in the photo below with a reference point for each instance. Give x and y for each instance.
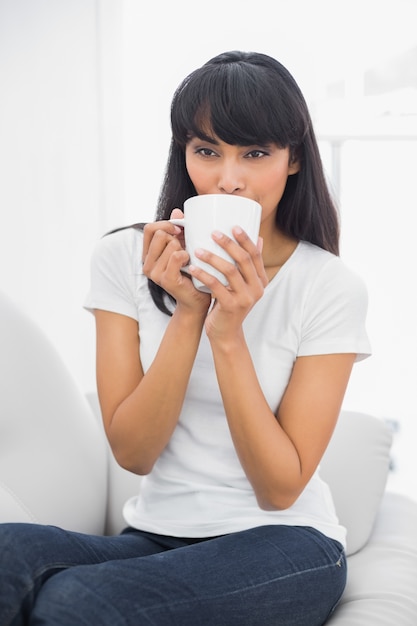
(197, 487)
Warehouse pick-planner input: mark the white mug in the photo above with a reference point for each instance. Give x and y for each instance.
(206, 213)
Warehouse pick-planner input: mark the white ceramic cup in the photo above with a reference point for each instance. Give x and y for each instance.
(207, 213)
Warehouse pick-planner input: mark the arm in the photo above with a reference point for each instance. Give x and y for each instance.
(140, 411)
(280, 453)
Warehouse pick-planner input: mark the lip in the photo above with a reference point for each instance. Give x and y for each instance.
(223, 193)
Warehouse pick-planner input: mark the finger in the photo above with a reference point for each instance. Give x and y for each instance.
(233, 276)
(260, 244)
(177, 214)
(255, 250)
(236, 296)
(167, 270)
(244, 253)
(241, 275)
(217, 289)
(160, 249)
(151, 229)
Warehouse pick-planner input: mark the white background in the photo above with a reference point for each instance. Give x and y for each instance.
(85, 93)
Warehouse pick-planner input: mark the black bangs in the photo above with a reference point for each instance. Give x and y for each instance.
(239, 102)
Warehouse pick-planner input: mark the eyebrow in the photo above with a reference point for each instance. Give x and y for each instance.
(206, 138)
(215, 142)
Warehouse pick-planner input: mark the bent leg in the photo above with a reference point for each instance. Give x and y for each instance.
(30, 554)
(273, 575)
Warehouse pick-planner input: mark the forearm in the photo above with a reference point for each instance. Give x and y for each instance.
(144, 421)
(268, 456)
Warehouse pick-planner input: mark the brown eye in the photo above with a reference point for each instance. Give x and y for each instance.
(256, 154)
(206, 152)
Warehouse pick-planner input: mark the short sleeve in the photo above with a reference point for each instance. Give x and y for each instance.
(334, 319)
(115, 268)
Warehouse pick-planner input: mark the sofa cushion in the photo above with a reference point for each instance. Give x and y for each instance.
(52, 452)
(382, 577)
(355, 466)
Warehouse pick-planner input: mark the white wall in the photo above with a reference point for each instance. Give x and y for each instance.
(379, 200)
(56, 146)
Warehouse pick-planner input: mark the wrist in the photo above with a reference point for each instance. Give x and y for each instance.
(227, 344)
(190, 316)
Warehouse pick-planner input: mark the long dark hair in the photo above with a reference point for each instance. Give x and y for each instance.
(247, 98)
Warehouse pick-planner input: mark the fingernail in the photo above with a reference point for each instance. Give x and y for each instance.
(217, 234)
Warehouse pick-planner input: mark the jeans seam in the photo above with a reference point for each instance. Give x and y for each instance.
(241, 589)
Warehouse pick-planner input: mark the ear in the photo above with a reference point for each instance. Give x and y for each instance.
(293, 166)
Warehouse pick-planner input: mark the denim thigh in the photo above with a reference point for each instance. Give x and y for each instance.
(266, 576)
(32, 553)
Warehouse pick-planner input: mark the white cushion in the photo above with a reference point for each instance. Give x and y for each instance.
(53, 466)
(356, 466)
(382, 577)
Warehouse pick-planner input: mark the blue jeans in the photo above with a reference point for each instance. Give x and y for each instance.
(271, 575)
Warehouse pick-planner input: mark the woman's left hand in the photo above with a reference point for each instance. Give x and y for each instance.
(246, 279)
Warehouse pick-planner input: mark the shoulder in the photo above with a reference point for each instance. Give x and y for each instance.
(116, 273)
(328, 273)
(120, 241)
(122, 247)
(335, 306)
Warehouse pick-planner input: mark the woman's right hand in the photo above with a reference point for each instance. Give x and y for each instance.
(164, 256)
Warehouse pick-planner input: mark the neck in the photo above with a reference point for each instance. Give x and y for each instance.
(277, 249)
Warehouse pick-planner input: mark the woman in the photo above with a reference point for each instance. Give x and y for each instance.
(225, 402)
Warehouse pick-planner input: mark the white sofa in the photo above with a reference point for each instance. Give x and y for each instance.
(55, 468)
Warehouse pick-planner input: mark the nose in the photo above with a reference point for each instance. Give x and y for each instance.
(231, 178)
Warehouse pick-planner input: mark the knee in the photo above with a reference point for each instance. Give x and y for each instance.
(13, 538)
(59, 600)
(74, 596)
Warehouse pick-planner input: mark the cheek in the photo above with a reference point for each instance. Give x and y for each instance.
(199, 175)
(270, 188)
(190, 166)
(280, 175)
(272, 184)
